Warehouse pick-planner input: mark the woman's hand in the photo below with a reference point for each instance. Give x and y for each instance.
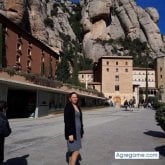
(71, 138)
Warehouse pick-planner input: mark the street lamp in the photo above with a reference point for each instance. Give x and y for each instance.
(86, 81)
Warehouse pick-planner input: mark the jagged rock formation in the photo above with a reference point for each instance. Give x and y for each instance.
(30, 14)
(113, 19)
(101, 20)
(12, 9)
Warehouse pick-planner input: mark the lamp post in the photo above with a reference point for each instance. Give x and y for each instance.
(86, 81)
(146, 90)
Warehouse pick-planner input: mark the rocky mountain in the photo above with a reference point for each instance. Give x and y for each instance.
(44, 19)
(102, 20)
(105, 20)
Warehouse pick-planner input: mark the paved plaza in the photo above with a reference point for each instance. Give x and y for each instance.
(107, 130)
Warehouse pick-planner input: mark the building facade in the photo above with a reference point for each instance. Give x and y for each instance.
(27, 75)
(86, 77)
(144, 78)
(160, 77)
(23, 52)
(118, 80)
(115, 75)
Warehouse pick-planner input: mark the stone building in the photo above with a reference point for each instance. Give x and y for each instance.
(23, 52)
(86, 76)
(160, 77)
(139, 83)
(115, 75)
(27, 75)
(112, 76)
(117, 79)
(25, 55)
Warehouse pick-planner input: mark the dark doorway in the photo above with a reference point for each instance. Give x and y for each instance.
(21, 103)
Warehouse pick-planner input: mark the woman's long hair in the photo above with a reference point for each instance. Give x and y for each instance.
(70, 95)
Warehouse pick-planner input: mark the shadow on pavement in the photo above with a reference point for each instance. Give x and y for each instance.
(155, 134)
(161, 150)
(17, 161)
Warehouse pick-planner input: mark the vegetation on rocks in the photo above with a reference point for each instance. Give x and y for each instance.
(135, 48)
(72, 61)
(74, 20)
(49, 22)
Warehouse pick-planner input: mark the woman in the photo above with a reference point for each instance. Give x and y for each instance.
(73, 127)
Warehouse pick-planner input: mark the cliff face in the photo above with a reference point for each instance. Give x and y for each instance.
(31, 15)
(114, 19)
(101, 20)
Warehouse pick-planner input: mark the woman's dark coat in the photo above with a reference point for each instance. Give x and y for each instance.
(69, 120)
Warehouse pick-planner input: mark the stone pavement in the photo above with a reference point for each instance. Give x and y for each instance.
(41, 141)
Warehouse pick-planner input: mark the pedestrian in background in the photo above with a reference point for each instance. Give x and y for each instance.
(5, 129)
(73, 127)
(126, 104)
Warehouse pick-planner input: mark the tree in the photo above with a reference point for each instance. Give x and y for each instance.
(160, 116)
(75, 20)
(85, 63)
(62, 72)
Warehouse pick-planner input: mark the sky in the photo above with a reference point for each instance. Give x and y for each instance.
(158, 4)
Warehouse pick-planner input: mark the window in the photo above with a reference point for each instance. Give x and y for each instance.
(117, 70)
(117, 63)
(82, 76)
(19, 36)
(6, 29)
(30, 44)
(29, 52)
(28, 63)
(160, 69)
(116, 78)
(18, 59)
(107, 62)
(1, 5)
(126, 63)
(107, 69)
(126, 70)
(116, 87)
(18, 46)
(161, 76)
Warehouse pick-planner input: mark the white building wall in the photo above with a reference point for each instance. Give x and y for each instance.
(139, 78)
(83, 77)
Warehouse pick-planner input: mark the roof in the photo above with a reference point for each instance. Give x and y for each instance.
(94, 83)
(163, 56)
(86, 72)
(17, 29)
(142, 68)
(116, 57)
